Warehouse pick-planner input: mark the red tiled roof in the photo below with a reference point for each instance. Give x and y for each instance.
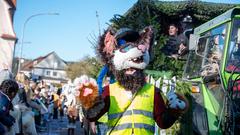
(29, 65)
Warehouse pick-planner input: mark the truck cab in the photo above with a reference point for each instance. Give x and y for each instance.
(213, 69)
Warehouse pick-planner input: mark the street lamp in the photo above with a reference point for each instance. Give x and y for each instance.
(23, 31)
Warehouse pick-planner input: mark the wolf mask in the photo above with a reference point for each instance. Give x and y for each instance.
(126, 52)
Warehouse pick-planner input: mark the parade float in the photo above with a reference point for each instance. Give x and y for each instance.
(210, 79)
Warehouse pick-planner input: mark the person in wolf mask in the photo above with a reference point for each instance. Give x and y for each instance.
(132, 104)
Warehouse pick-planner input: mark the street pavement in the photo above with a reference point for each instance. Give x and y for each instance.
(57, 127)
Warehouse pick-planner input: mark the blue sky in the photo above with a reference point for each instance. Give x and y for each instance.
(67, 34)
(216, 1)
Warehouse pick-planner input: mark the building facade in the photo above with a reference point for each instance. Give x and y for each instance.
(50, 68)
(7, 35)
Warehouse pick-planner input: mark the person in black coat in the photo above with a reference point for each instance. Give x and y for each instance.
(177, 44)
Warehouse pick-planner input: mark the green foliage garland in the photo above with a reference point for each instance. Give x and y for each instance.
(160, 14)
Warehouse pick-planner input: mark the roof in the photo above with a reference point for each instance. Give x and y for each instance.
(12, 3)
(29, 65)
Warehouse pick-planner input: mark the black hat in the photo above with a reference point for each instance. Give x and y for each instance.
(127, 34)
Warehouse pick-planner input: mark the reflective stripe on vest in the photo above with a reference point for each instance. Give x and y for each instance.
(136, 118)
(129, 112)
(104, 118)
(136, 125)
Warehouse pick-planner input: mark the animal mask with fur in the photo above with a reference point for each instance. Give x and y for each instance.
(128, 59)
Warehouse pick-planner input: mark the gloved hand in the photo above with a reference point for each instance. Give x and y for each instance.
(174, 102)
(87, 90)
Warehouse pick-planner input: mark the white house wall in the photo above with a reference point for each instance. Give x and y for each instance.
(52, 62)
(5, 19)
(51, 68)
(61, 74)
(6, 46)
(39, 72)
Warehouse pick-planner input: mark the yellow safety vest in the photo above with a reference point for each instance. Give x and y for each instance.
(137, 119)
(104, 118)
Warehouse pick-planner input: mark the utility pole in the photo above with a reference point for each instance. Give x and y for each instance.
(99, 29)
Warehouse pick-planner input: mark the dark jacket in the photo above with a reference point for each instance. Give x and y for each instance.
(5, 106)
(173, 43)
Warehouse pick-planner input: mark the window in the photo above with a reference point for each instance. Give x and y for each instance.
(216, 43)
(212, 50)
(233, 58)
(35, 62)
(48, 73)
(209, 52)
(55, 65)
(54, 73)
(194, 63)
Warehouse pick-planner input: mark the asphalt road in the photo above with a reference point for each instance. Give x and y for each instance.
(57, 127)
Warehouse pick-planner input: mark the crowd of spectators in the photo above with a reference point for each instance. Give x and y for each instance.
(27, 105)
